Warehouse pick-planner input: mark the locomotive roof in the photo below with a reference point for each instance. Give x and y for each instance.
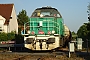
(47, 9)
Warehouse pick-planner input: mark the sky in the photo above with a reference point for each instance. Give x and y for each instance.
(74, 12)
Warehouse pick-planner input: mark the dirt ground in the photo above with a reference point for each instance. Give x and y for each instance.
(15, 56)
(29, 57)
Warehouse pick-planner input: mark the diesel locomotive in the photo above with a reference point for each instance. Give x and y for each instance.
(46, 30)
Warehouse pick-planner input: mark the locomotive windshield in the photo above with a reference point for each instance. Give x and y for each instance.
(46, 12)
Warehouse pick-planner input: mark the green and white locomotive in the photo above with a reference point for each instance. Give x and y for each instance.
(45, 30)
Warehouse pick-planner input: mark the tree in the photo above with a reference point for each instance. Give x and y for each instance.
(88, 12)
(88, 24)
(74, 35)
(82, 32)
(22, 17)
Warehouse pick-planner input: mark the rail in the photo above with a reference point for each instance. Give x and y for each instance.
(11, 45)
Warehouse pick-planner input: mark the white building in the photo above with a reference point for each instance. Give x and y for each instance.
(8, 18)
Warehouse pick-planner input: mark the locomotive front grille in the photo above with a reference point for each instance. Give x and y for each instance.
(51, 40)
(29, 40)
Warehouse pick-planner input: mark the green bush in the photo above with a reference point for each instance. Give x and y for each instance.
(3, 36)
(19, 38)
(11, 36)
(7, 36)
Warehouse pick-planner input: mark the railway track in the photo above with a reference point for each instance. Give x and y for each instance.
(63, 55)
(33, 55)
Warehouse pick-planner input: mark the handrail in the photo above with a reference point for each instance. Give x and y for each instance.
(49, 21)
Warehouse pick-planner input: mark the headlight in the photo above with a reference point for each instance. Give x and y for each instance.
(53, 32)
(41, 15)
(28, 32)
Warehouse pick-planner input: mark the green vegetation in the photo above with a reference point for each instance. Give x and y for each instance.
(22, 18)
(11, 36)
(19, 38)
(84, 31)
(74, 35)
(3, 37)
(7, 36)
(88, 12)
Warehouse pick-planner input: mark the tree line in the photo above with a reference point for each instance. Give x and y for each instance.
(84, 30)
